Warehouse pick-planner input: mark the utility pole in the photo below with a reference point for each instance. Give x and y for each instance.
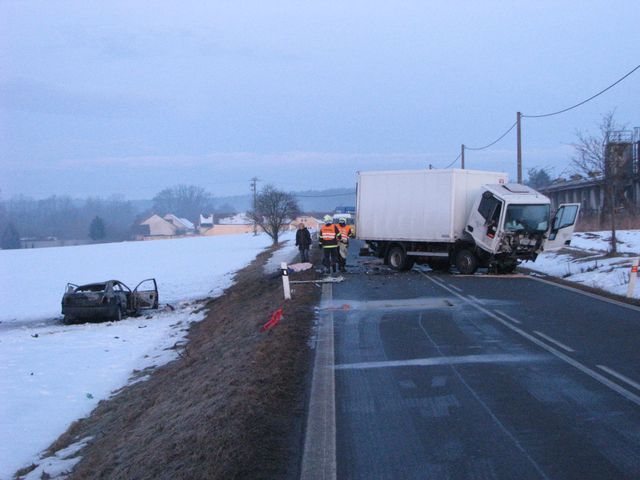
(519, 148)
(462, 157)
(254, 188)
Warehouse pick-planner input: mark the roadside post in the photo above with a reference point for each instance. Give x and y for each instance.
(285, 281)
(632, 278)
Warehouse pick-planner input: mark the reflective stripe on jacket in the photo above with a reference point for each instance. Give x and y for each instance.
(329, 235)
(345, 232)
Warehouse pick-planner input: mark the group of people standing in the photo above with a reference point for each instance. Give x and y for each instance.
(334, 241)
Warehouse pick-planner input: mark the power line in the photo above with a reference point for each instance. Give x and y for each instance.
(584, 101)
(457, 158)
(495, 141)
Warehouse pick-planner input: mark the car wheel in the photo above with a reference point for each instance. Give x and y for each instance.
(466, 262)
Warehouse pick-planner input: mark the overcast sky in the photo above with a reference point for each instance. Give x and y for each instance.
(131, 97)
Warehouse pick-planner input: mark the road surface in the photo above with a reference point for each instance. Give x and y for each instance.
(423, 375)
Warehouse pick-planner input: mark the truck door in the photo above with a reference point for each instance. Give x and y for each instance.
(145, 295)
(562, 226)
(484, 221)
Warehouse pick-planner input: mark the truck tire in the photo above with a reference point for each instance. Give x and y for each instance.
(398, 260)
(466, 262)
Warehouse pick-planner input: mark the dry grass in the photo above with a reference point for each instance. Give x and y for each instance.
(231, 407)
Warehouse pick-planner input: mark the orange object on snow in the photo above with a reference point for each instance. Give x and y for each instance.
(275, 318)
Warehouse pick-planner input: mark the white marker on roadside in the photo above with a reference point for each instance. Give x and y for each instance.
(285, 281)
(632, 278)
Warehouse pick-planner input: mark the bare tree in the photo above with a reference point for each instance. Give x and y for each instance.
(187, 201)
(274, 209)
(597, 157)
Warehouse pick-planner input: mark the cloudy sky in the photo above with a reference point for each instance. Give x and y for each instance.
(131, 97)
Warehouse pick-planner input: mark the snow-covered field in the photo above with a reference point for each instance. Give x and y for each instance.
(585, 262)
(52, 374)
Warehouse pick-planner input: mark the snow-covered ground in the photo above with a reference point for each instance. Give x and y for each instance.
(52, 374)
(586, 262)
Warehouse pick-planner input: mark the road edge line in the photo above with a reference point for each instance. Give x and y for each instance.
(319, 456)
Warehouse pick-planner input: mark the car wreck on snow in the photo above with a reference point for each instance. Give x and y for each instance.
(110, 300)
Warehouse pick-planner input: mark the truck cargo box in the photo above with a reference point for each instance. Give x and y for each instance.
(418, 205)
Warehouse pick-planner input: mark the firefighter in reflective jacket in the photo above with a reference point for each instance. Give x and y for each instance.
(345, 234)
(329, 238)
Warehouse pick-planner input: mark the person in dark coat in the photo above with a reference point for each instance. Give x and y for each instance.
(303, 242)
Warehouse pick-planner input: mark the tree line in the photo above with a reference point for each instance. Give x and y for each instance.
(63, 218)
(100, 219)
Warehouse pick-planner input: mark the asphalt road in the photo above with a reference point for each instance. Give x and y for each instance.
(439, 376)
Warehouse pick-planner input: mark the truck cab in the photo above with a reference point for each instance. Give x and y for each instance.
(512, 222)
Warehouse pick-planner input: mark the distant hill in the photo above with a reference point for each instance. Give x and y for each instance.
(309, 200)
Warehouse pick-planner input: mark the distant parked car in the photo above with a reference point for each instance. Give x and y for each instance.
(110, 300)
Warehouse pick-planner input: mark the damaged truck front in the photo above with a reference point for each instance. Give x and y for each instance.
(462, 217)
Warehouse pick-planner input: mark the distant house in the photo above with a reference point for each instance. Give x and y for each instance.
(156, 226)
(233, 225)
(182, 224)
(206, 221)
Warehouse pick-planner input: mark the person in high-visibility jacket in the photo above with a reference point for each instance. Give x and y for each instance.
(345, 234)
(329, 237)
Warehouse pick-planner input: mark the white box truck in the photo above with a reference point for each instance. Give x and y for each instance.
(466, 218)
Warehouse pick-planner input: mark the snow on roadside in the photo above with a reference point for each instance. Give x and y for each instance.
(32, 281)
(585, 262)
(287, 253)
(53, 374)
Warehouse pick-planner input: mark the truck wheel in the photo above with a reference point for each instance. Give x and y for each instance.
(466, 262)
(398, 260)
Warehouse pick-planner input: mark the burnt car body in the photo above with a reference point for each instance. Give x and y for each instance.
(110, 300)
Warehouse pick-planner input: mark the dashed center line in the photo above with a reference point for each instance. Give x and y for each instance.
(554, 341)
(514, 320)
(619, 376)
(583, 368)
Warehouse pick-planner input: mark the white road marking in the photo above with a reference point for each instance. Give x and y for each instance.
(457, 289)
(319, 457)
(435, 361)
(514, 320)
(475, 298)
(619, 376)
(486, 407)
(632, 397)
(419, 303)
(554, 341)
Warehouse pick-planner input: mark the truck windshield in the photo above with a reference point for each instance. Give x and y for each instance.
(530, 218)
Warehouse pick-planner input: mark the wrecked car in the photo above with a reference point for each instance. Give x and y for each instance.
(110, 300)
